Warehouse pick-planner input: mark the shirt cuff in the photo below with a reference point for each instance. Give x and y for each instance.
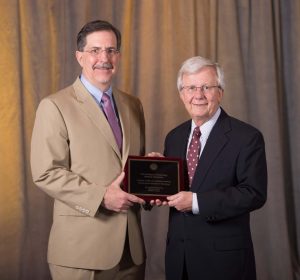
(195, 206)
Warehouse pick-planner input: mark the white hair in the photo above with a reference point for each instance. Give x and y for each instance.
(194, 65)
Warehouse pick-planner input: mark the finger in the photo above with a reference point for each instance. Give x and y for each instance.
(128, 204)
(140, 201)
(152, 202)
(158, 202)
(135, 199)
(171, 203)
(158, 155)
(155, 154)
(172, 197)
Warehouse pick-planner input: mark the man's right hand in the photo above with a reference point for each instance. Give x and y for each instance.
(116, 199)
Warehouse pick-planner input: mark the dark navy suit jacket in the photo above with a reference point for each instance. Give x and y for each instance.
(230, 182)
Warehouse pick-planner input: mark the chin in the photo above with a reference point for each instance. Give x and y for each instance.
(103, 81)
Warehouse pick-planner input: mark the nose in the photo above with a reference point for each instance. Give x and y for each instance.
(103, 55)
(198, 93)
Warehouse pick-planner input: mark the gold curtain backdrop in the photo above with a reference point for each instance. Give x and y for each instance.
(256, 42)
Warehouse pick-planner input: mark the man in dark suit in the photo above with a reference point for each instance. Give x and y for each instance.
(209, 232)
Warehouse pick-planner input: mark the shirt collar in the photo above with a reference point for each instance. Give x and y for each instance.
(94, 91)
(207, 126)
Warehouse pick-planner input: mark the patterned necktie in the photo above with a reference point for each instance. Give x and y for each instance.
(193, 153)
(112, 119)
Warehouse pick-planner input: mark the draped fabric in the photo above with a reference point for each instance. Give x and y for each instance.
(256, 42)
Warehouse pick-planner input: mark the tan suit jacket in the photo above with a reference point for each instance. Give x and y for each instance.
(74, 156)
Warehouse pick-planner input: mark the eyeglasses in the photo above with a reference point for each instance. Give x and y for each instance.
(109, 51)
(204, 88)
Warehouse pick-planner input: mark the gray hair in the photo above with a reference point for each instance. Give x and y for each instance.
(93, 26)
(194, 65)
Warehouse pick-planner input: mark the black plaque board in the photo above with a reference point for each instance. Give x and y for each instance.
(153, 177)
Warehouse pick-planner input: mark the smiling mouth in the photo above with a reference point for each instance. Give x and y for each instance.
(199, 104)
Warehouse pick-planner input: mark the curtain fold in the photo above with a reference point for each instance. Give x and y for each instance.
(256, 42)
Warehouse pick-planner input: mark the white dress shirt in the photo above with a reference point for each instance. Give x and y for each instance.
(205, 131)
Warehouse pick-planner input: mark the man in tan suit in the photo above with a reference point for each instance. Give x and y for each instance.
(77, 158)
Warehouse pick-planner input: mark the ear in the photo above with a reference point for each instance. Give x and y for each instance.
(181, 95)
(79, 57)
(221, 94)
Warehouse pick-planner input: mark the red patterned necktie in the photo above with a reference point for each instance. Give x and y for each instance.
(112, 119)
(193, 153)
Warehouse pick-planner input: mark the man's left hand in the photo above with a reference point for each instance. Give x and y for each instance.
(182, 201)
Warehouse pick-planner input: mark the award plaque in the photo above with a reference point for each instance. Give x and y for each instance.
(153, 177)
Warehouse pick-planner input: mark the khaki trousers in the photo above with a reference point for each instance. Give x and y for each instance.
(125, 270)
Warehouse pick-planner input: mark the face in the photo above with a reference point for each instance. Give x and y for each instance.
(99, 69)
(201, 106)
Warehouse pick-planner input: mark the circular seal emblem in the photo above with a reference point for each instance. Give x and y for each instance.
(153, 166)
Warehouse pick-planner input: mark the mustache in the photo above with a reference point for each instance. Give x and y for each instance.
(105, 66)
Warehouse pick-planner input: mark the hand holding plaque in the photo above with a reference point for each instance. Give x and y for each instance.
(153, 178)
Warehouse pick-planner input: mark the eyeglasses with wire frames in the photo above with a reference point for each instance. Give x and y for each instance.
(111, 51)
(204, 88)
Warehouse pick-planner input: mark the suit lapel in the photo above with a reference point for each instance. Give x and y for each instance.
(214, 145)
(186, 130)
(95, 114)
(123, 112)
(183, 141)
